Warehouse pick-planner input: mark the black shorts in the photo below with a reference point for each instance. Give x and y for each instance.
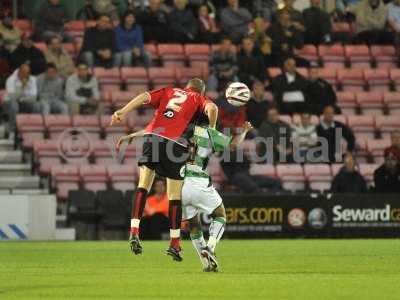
(164, 156)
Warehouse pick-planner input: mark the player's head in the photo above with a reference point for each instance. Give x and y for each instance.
(197, 85)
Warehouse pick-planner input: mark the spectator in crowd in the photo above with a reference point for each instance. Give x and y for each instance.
(10, 33)
(279, 133)
(52, 17)
(387, 176)
(4, 62)
(56, 55)
(129, 39)
(236, 168)
(259, 31)
(290, 89)
(295, 16)
(264, 9)
(183, 24)
(320, 93)
(395, 147)
(250, 63)
(82, 92)
(230, 116)
(370, 21)
(105, 7)
(155, 22)
(332, 132)
(235, 21)
(27, 52)
(21, 94)
(349, 180)
(266, 53)
(155, 221)
(99, 44)
(317, 24)
(208, 28)
(223, 66)
(304, 136)
(394, 20)
(50, 86)
(258, 105)
(285, 38)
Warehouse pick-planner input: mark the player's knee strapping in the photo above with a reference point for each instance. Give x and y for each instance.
(217, 228)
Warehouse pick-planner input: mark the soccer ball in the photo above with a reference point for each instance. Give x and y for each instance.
(237, 94)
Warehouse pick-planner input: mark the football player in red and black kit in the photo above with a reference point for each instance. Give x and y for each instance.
(165, 150)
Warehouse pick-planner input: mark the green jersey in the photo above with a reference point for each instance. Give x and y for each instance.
(205, 142)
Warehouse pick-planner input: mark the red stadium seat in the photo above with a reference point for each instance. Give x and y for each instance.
(376, 148)
(309, 52)
(41, 46)
(303, 72)
(136, 77)
(65, 178)
(152, 50)
(332, 55)
(121, 98)
(46, 154)
(183, 75)
(90, 125)
(319, 176)
(197, 54)
(172, 55)
(30, 127)
(56, 124)
(362, 126)
(162, 77)
(75, 28)
(94, 177)
(292, 176)
(395, 77)
(341, 27)
(140, 121)
(104, 152)
(335, 168)
(378, 79)
(387, 124)
(362, 152)
(367, 171)
(273, 72)
(384, 56)
(340, 118)
(122, 177)
(121, 127)
(358, 55)
(370, 102)
(263, 170)
(347, 101)
(392, 102)
(330, 75)
(108, 77)
(23, 24)
(351, 79)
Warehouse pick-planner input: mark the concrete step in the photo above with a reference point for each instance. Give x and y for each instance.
(15, 170)
(30, 192)
(11, 157)
(19, 182)
(6, 145)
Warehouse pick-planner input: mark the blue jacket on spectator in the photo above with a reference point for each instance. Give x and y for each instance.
(128, 39)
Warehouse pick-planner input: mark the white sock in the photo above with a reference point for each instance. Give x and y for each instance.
(199, 243)
(217, 228)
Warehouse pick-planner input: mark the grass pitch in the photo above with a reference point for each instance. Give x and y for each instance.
(268, 269)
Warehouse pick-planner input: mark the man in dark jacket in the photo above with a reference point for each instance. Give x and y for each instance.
(317, 23)
(290, 89)
(250, 63)
(387, 176)
(331, 133)
(99, 44)
(277, 134)
(285, 37)
(154, 21)
(349, 180)
(184, 26)
(258, 105)
(26, 52)
(51, 19)
(320, 94)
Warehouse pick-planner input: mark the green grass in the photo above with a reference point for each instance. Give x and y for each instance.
(269, 269)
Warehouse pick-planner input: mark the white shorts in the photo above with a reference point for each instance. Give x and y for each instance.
(198, 196)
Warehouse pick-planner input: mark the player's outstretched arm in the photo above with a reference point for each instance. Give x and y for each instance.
(136, 102)
(211, 110)
(238, 139)
(129, 138)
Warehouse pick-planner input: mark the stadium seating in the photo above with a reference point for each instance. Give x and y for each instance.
(332, 56)
(135, 78)
(351, 79)
(172, 55)
(161, 77)
(292, 176)
(358, 56)
(378, 79)
(384, 56)
(30, 127)
(318, 176)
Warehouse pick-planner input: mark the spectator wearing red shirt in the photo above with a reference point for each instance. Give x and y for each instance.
(395, 147)
(155, 221)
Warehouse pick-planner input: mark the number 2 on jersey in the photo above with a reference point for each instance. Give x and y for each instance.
(176, 102)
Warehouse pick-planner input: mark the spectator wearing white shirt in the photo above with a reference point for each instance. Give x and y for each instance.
(304, 136)
(21, 94)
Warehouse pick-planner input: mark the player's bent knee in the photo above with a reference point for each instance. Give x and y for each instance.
(219, 212)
